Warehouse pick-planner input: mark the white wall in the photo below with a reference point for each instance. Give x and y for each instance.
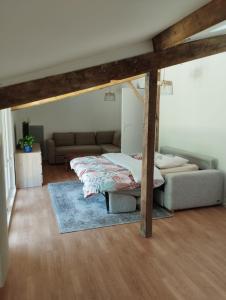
(3, 216)
(132, 121)
(88, 112)
(194, 117)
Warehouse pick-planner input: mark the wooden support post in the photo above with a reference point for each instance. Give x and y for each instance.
(157, 113)
(148, 153)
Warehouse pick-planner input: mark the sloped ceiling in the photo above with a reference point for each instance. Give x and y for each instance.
(45, 37)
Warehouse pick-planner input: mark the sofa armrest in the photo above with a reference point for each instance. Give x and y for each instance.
(193, 189)
(50, 143)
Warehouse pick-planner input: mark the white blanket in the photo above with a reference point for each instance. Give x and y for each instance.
(134, 166)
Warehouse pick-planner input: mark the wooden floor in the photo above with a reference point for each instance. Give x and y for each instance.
(185, 259)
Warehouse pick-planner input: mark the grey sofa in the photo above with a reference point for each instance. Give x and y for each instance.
(194, 188)
(81, 143)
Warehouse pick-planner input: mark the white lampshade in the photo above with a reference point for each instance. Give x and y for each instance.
(109, 96)
(166, 87)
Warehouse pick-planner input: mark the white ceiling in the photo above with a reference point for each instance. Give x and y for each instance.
(43, 37)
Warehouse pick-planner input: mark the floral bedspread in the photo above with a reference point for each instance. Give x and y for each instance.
(100, 175)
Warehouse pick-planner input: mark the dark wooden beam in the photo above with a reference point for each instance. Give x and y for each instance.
(148, 153)
(157, 114)
(82, 79)
(210, 14)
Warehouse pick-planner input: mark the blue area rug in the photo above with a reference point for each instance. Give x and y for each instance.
(74, 212)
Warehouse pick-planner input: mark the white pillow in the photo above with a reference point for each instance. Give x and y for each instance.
(168, 161)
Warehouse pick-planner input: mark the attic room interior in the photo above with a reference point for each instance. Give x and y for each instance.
(112, 153)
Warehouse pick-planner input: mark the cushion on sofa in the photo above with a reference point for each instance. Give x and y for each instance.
(117, 138)
(168, 161)
(109, 148)
(184, 168)
(80, 149)
(104, 137)
(204, 162)
(63, 139)
(85, 138)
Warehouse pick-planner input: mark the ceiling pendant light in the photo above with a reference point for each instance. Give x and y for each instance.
(109, 95)
(166, 86)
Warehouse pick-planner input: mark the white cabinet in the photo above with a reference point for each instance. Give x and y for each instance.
(29, 168)
(132, 121)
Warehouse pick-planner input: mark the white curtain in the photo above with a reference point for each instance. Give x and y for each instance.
(8, 158)
(3, 211)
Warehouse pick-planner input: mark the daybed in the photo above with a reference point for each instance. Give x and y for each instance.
(119, 177)
(116, 175)
(193, 188)
(85, 143)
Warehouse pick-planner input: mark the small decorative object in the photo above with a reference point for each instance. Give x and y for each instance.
(26, 143)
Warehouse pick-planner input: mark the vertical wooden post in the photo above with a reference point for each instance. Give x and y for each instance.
(157, 113)
(148, 153)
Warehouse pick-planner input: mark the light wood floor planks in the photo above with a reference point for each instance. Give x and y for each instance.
(185, 259)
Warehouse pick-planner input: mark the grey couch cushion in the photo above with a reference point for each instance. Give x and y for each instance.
(63, 139)
(109, 148)
(82, 149)
(85, 138)
(117, 138)
(50, 144)
(104, 137)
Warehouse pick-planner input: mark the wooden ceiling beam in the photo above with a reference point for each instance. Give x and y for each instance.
(76, 94)
(135, 91)
(56, 85)
(208, 15)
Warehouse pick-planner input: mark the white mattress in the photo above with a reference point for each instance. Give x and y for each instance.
(184, 168)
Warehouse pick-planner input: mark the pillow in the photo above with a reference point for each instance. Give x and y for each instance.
(137, 156)
(117, 138)
(63, 139)
(104, 137)
(85, 138)
(168, 161)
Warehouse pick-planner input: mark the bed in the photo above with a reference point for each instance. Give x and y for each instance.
(118, 176)
(111, 172)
